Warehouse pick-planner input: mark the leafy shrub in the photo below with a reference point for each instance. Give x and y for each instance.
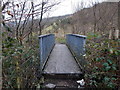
(20, 63)
(103, 57)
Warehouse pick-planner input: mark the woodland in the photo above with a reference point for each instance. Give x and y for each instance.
(100, 22)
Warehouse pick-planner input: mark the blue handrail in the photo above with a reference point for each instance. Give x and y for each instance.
(46, 43)
(76, 44)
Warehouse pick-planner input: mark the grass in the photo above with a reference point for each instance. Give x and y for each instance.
(61, 40)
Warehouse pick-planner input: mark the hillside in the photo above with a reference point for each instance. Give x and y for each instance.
(101, 17)
(104, 16)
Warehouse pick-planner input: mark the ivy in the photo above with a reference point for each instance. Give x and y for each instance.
(103, 62)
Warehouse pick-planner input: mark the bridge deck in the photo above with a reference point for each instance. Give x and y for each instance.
(61, 61)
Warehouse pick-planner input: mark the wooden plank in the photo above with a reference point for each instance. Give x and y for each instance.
(61, 61)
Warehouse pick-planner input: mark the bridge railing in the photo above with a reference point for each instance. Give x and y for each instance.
(46, 43)
(76, 44)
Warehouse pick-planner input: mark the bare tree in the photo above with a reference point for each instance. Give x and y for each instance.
(94, 13)
(0, 46)
(21, 22)
(41, 17)
(78, 19)
(45, 7)
(104, 19)
(21, 16)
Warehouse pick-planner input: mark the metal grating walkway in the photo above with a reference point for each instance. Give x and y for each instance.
(61, 61)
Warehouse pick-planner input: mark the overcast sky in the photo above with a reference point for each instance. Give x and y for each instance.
(65, 7)
(68, 7)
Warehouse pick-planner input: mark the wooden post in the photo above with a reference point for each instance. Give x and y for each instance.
(110, 34)
(116, 34)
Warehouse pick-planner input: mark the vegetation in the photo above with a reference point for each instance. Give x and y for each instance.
(102, 56)
(20, 64)
(20, 47)
(61, 40)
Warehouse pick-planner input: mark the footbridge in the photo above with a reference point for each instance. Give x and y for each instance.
(62, 61)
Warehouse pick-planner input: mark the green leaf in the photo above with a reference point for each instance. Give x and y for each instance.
(111, 85)
(107, 68)
(99, 59)
(111, 50)
(106, 79)
(105, 64)
(114, 65)
(110, 61)
(113, 78)
(20, 51)
(117, 52)
(114, 68)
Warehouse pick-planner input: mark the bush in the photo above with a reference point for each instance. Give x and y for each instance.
(103, 57)
(20, 64)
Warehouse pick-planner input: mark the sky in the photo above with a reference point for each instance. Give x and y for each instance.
(68, 7)
(65, 7)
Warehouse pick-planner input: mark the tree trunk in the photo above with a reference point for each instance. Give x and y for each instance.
(0, 46)
(40, 27)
